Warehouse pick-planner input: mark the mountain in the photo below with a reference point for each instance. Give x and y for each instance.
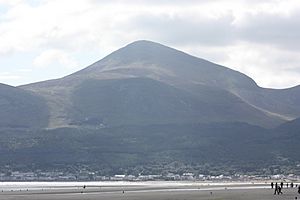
(285, 142)
(150, 108)
(147, 146)
(283, 103)
(153, 60)
(142, 71)
(21, 109)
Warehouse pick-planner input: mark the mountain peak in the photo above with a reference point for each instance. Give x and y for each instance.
(145, 49)
(144, 43)
(145, 54)
(147, 45)
(145, 58)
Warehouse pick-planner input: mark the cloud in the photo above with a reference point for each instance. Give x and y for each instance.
(5, 76)
(87, 24)
(51, 56)
(76, 25)
(186, 30)
(251, 36)
(270, 67)
(272, 29)
(25, 70)
(10, 2)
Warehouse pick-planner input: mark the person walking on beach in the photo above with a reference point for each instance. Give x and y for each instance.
(276, 188)
(279, 190)
(292, 184)
(272, 185)
(299, 189)
(281, 184)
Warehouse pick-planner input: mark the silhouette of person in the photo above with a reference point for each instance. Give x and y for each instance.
(287, 185)
(292, 184)
(272, 185)
(281, 184)
(279, 190)
(299, 189)
(276, 188)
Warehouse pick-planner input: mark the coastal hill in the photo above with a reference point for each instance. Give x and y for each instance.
(21, 109)
(150, 105)
(149, 83)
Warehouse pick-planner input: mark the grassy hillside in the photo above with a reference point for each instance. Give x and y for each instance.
(21, 109)
(139, 101)
(149, 105)
(211, 92)
(129, 146)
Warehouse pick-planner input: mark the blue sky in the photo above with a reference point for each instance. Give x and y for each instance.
(46, 39)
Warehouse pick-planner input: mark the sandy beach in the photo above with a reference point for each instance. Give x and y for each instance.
(142, 190)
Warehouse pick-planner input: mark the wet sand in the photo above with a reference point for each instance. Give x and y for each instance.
(152, 192)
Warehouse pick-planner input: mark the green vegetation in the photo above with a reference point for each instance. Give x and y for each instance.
(227, 147)
(21, 109)
(150, 108)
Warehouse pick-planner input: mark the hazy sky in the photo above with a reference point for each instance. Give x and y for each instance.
(44, 39)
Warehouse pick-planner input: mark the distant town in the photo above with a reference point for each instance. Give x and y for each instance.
(92, 176)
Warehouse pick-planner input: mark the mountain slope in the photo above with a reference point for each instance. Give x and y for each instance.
(217, 87)
(21, 109)
(140, 101)
(284, 103)
(286, 139)
(153, 60)
(152, 106)
(126, 147)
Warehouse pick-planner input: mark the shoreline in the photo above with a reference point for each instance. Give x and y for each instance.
(142, 190)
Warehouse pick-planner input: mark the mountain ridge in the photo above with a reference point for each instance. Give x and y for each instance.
(152, 60)
(150, 105)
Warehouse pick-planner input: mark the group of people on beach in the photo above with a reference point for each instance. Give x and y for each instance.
(278, 187)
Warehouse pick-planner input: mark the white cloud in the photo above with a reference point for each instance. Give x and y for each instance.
(245, 34)
(49, 57)
(10, 2)
(268, 66)
(24, 70)
(8, 77)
